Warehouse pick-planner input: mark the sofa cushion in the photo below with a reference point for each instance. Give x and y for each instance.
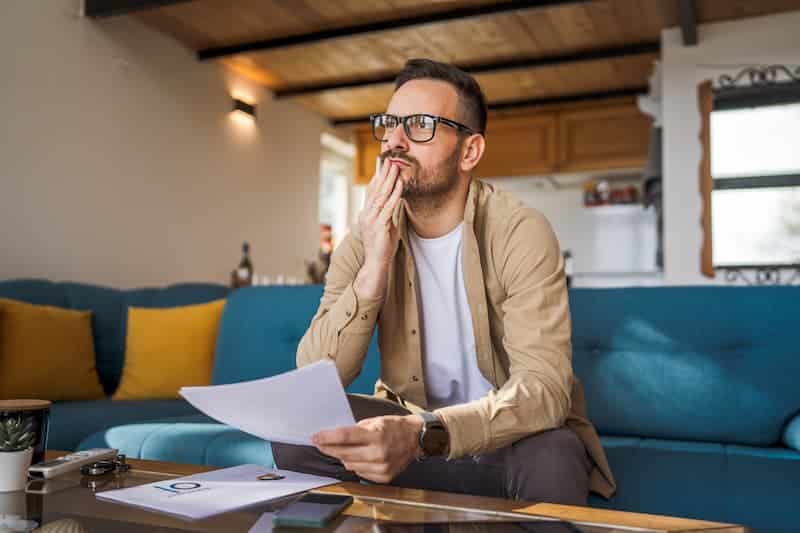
(261, 328)
(715, 364)
(762, 489)
(71, 422)
(194, 439)
(46, 352)
(680, 478)
(791, 435)
(171, 296)
(167, 349)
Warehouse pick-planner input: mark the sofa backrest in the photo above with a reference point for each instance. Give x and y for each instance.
(261, 328)
(696, 363)
(714, 364)
(109, 311)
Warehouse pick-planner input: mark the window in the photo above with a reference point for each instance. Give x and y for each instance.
(335, 178)
(755, 171)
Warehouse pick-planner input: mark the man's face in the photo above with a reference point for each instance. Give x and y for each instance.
(428, 169)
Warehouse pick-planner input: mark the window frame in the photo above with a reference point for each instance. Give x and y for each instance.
(710, 99)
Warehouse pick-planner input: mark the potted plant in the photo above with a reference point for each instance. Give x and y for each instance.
(17, 437)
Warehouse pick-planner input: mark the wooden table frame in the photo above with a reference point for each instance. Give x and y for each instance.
(377, 502)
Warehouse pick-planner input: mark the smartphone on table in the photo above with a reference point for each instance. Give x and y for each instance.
(312, 510)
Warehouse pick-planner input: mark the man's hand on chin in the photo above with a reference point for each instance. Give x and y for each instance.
(377, 448)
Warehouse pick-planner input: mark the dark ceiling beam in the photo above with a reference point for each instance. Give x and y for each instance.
(525, 63)
(375, 27)
(113, 8)
(687, 16)
(531, 102)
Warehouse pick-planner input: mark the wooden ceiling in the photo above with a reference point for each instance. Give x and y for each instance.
(338, 57)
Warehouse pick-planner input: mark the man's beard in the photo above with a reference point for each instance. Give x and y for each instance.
(428, 189)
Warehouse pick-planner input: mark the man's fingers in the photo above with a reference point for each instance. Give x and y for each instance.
(351, 436)
(377, 180)
(367, 468)
(391, 204)
(382, 196)
(391, 174)
(365, 454)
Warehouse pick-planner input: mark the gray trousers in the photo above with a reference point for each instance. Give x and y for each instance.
(551, 466)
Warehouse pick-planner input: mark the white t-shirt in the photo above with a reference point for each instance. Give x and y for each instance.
(448, 341)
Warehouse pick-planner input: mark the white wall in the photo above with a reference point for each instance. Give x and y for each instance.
(610, 245)
(120, 164)
(723, 48)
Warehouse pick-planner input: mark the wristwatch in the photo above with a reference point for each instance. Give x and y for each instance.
(433, 439)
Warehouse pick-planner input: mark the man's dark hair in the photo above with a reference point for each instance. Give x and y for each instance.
(473, 102)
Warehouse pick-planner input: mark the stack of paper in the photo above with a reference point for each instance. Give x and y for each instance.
(203, 495)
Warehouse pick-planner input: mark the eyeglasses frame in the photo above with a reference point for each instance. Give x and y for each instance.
(436, 120)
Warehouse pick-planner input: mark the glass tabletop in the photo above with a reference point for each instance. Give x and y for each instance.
(67, 504)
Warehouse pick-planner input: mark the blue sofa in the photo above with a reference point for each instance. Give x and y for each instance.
(691, 388)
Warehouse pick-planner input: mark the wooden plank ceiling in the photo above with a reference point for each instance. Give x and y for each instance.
(537, 52)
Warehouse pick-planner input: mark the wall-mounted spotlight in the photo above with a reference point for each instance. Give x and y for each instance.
(242, 108)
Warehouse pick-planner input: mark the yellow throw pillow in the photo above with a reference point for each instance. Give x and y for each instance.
(46, 352)
(168, 348)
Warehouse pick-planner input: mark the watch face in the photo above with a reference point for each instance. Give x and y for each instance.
(435, 441)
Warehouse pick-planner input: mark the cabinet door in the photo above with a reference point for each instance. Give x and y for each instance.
(367, 149)
(603, 138)
(519, 146)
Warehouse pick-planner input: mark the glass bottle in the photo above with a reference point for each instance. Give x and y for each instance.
(244, 272)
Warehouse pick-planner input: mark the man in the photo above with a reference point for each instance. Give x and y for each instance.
(467, 288)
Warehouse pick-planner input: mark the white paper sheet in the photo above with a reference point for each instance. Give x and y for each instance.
(211, 493)
(288, 408)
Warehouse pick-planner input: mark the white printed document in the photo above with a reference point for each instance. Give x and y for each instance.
(202, 495)
(288, 408)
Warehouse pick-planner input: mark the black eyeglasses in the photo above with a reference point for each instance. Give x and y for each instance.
(419, 128)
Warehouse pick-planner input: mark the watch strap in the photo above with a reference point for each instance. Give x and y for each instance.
(429, 422)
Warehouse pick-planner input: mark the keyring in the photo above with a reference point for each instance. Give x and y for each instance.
(100, 468)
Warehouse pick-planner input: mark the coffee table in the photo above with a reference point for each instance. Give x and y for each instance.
(72, 506)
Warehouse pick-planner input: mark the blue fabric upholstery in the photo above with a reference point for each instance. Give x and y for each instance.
(261, 328)
(715, 364)
(70, 422)
(194, 439)
(108, 327)
(762, 488)
(791, 435)
(34, 291)
(691, 388)
(730, 483)
(649, 481)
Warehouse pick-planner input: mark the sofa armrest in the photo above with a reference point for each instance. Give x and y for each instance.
(791, 434)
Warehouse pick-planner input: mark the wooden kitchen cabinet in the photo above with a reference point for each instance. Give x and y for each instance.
(367, 149)
(519, 146)
(602, 138)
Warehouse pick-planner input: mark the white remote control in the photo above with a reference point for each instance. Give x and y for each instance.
(70, 462)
